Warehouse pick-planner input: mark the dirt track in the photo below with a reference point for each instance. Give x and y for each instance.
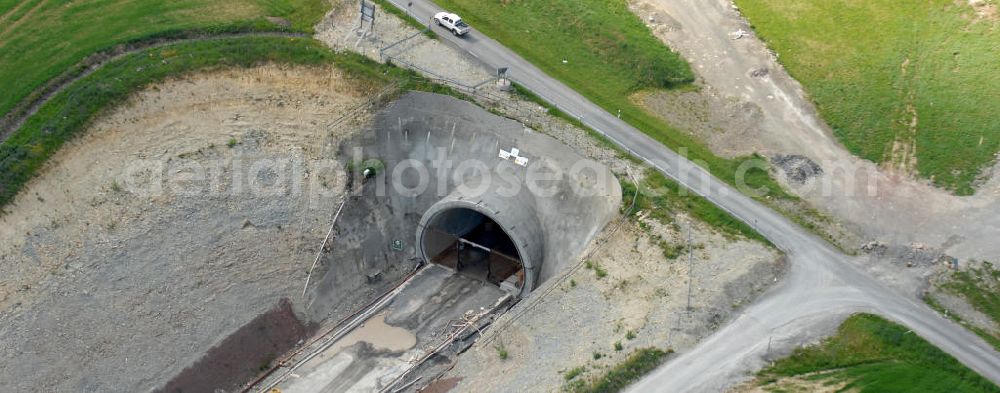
(822, 282)
(20, 113)
(98, 271)
(899, 210)
(728, 273)
(641, 302)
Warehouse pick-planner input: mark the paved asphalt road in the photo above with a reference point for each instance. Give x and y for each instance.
(822, 283)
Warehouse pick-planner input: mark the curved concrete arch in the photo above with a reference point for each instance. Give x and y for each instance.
(516, 216)
(549, 204)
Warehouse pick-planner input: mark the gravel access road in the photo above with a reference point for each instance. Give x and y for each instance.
(822, 283)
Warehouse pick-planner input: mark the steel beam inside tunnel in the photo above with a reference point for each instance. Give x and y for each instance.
(516, 216)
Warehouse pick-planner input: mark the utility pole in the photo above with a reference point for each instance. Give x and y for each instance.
(367, 15)
(690, 265)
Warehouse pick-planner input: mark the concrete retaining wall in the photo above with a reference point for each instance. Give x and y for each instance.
(440, 152)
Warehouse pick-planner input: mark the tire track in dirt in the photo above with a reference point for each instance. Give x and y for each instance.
(13, 10)
(14, 119)
(24, 17)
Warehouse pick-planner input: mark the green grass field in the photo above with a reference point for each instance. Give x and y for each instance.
(40, 39)
(871, 354)
(658, 194)
(921, 77)
(661, 197)
(618, 377)
(606, 47)
(980, 286)
(609, 55)
(68, 113)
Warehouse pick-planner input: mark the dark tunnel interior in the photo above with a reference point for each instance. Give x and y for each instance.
(473, 244)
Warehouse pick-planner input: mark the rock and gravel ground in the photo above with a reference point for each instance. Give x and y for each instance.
(108, 285)
(639, 299)
(746, 102)
(919, 230)
(107, 274)
(338, 30)
(739, 109)
(643, 291)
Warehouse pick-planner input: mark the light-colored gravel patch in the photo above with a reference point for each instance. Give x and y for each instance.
(107, 285)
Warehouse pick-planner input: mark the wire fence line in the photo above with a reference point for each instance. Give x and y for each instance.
(481, 89)
(662, 168)
(665, 170)
(685, 320)
(503, 100)
(371, 102)
(393, 53)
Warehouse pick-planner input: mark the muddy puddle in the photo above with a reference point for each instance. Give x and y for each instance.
(380, 335)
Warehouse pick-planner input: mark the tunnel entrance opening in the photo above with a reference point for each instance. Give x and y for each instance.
(474, 245)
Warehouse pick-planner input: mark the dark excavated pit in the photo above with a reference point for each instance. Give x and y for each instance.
(244, 354)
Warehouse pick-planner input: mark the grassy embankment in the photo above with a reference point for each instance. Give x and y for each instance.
(41, 39)
(69, 112)
(659, 195)
(616, 378)
(662, 199)
(871, 354)
(609, 54)
(895, 78)
(980, 287)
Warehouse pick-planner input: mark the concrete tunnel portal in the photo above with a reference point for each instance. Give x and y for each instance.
(485, 243)
(528, 207)
(472, 243)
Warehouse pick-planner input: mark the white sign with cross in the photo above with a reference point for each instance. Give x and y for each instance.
(514, 155)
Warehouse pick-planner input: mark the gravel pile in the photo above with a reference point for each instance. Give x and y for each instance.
(798, 169)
